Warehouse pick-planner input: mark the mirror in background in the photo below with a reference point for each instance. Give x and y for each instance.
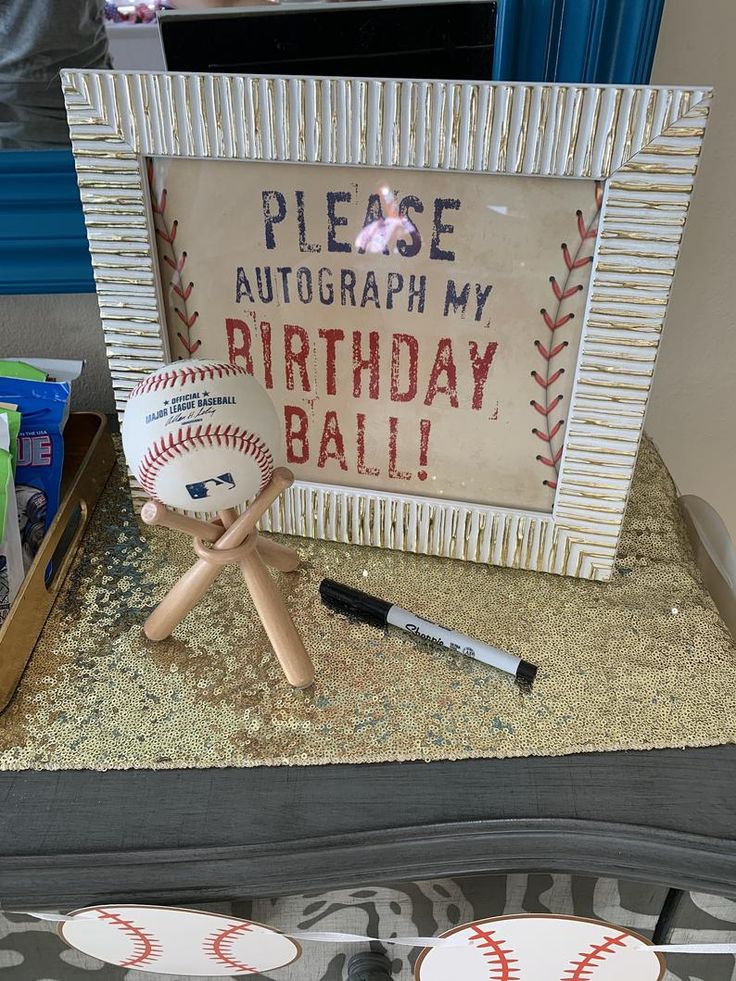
(452, 39)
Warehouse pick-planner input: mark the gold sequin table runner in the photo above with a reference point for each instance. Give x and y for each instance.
(641, 662)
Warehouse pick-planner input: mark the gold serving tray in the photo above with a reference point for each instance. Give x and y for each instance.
(89, 456)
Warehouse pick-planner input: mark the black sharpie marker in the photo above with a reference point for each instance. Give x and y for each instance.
(378, 612)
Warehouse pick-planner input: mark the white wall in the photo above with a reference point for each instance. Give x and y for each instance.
(692, 415)
(60, 326)
(693, 409)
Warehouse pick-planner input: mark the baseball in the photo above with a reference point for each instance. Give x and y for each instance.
(543, 948)
(201, 435)
(182, 942)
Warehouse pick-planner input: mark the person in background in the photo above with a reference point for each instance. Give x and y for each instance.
(37, 39)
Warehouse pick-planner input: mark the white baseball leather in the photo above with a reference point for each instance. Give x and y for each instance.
(201, 435)
(536, 947)
(182, 942)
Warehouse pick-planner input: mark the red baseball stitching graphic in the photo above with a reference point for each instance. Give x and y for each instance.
(145, 946)
(167, 234)
(166, 379)
(180, 442)
(500, 964)
(554, 322)
(581, 970)
(218, 947)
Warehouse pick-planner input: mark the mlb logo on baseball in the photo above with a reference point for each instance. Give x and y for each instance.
(202, 487)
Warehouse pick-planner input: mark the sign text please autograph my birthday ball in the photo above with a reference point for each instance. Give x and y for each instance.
(439, 371)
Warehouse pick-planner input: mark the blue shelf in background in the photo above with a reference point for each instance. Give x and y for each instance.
(600, 41)
(43, 242)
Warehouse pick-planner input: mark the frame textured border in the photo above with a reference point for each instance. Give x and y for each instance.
(643, 142)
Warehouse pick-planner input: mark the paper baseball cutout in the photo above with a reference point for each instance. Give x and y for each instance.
(201, 435)
(164, 940)
(535, 947)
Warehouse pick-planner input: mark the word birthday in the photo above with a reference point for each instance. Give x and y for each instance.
(363, 365)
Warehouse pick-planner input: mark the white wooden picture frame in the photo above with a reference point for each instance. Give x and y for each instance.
(642, 146)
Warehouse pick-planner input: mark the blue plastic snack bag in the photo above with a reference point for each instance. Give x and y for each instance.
(44, 407)
(11, 555)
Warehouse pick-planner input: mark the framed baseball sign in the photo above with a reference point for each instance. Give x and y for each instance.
(453, 293)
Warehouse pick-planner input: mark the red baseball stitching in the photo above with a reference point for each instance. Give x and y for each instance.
(581, 970)
(145, 947)
(218, 947)
(499, 962)
(167, 234)
(555, 322)
(180, 442)
(167, 379)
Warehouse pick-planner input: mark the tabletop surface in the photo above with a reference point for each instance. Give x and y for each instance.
(641, 662)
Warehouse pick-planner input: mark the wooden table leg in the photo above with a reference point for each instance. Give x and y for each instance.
(277, 622)
(369, 966)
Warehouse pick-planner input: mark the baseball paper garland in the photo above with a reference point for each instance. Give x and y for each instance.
(527, 947)
(163, 940)
(538, 947)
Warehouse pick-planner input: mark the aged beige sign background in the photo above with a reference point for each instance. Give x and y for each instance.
(417, 331)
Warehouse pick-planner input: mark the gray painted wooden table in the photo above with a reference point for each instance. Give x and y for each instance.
(185, 836)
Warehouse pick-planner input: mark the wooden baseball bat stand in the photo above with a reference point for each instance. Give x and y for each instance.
(234, 539)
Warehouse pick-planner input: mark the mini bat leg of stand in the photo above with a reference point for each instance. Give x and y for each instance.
(181, 599)
(237, 541)
(277, 622)
(278, 556)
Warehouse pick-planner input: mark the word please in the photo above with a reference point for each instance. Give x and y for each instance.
(342, 209)
(365, 361)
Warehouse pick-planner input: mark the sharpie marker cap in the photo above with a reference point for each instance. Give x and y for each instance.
(343, 599)
(526, 673)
